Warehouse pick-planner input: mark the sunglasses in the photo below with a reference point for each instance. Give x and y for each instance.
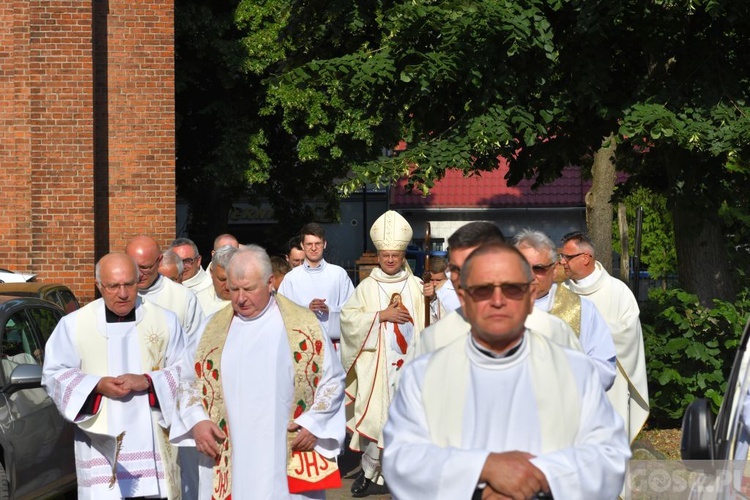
(511, 291)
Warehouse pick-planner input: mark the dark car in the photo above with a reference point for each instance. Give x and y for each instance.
(35, 441)
(719, 446)
(54, 292)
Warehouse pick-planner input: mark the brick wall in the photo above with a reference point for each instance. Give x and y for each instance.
(87, 135)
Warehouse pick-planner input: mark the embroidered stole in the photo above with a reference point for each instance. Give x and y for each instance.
(153, 338)
(447, 378)
(306, 471)
(567, 306)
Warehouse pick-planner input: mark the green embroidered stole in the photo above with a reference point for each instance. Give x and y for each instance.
(306, 471)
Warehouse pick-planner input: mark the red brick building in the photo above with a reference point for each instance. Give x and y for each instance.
(87, 133)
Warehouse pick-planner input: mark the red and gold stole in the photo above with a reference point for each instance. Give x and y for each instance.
(306, 471)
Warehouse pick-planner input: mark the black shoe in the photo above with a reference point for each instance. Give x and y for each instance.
(360, 486)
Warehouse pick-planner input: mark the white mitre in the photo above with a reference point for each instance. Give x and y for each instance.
(391, 232)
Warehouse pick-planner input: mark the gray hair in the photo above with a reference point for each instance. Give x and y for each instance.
(528, 238)
(223, 255)
(170, 258)
(237, 266)
(185, 241)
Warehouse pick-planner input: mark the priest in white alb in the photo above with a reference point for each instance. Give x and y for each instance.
(263, 400)
(318, 285)
(579, 313)
(502, 412)
(455, 325)
(113, 368)
(219, 296)
(615, 301)
(379, 325)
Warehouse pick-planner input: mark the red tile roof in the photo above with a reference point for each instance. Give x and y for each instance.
(490, 190)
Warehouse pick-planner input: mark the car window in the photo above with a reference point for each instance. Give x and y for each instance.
(45, 321)
(67, 301)
(19, 345)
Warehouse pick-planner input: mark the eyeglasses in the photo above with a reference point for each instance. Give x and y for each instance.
(149, 267)
(571, 257)
(190, 260)
(114, 287)
(541, 268)
(512, 291)
(314, 245)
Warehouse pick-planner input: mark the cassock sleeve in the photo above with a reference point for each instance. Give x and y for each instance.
(345, 289)
(62, 377)
(414, 466)
(189, 409)
(597, 343)
(326, 419)
(594, 467)
(193, 315)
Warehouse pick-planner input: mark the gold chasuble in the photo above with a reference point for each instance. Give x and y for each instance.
(567, 307)
(306, 471)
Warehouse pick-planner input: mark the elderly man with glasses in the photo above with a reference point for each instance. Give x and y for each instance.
(615, 301)
(581, 314)
(461, 244)
(193, 275)
(502, 412)
(112, 368)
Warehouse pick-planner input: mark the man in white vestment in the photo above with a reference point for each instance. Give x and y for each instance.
(193, 276)
(113, 368)
(378, 326)
(581, 314)
(153, 287)
(219, 296)
(171, 266)
(461, 243)
(502, 410)
(615, 301)
(263, 401)
(437, 280)
(322, 287)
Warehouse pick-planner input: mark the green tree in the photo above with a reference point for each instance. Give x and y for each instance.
(543, 83)
(658, 253)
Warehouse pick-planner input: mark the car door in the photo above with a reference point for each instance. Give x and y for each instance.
(40, 442)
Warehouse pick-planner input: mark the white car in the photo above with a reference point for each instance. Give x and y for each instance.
(7, 276)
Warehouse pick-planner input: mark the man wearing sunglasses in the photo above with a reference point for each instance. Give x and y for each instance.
(581, 314)
(615, 301)
(461, 244)
(502, 412)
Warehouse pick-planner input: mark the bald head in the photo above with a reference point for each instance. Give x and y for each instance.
(116, 278)
(146, 253)
(223, 240)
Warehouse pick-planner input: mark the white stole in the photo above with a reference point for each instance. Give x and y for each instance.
(448, 374)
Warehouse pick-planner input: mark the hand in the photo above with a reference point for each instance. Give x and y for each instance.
(394, 314)
(304, 441)
(318, 305)
(489, 494)
(112, 387)
(208, 438)
(429, 290)
(513, 475)
(133, 382)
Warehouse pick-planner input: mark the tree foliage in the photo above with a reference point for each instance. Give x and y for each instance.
(332, 87)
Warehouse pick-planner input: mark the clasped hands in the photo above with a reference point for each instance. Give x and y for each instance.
(512, 475)
(209, 439)
(121, 386)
